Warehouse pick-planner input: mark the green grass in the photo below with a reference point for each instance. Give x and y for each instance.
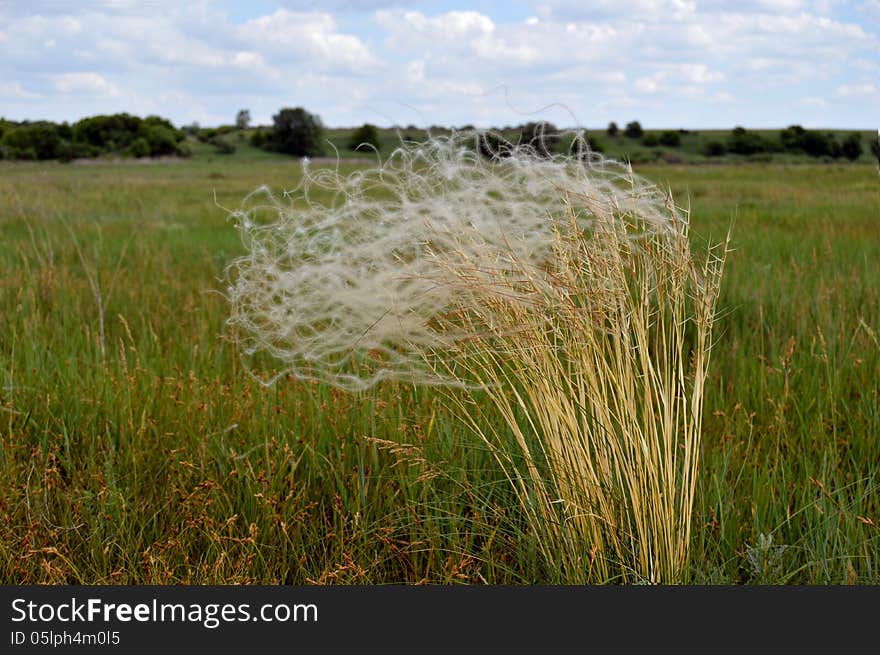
(151, 456)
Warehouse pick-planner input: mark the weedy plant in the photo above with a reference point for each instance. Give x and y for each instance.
(561, 289)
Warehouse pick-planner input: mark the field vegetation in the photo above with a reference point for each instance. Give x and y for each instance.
(136, 448)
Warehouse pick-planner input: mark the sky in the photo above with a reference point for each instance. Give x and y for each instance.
(665, 63)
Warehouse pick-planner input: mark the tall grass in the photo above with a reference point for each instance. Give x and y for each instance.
(562, 286)
(597, 361)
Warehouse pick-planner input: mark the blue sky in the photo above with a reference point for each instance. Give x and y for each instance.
(666, 63)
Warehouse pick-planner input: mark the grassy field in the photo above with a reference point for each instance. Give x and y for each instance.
(135, 447)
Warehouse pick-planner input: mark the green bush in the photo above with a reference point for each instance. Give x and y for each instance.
(670, 138)
(642, 156)
(715, 149)
(650, 140)
(633, 130)
(258, 139)
(595, 144)
(792, 137)
(206, 134)
(33, 141)
(543, 137)
(816, 144)
(222, 146)
(108, 133)
(118, 132)
(23, 154)
(743, 142)
(366, 137)
(183, 149)
(161, 139)
(140, 147)
(852, 146)
(296, 132)
(491, 145)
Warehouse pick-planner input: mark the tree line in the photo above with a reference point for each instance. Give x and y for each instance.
(740, 141)
(116, 134)
(300, 133)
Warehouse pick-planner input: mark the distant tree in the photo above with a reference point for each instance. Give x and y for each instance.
(633, 130)
(191, 130)
(366, 137)
(108, 133)
(117, 132)
(258, 139)
(222, 146)
(243, 119)
(743, 142)
(715, 149)
(595, 144)
(542, 137)
(817, 144)
(835, 149)
(650, 140)
(296, 132)
(158, 121)
(612, 129)
(875, 148)
(140, 147)
(161, 139)
(670, 138)
(38, 140)
(792, 137)
(494, 146)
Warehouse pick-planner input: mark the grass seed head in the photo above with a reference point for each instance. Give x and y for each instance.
(346, 279)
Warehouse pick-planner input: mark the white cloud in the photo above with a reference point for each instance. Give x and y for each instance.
(687, 79)
(605, 60)
(312, 37)
(416, 71)
(15, 91)
(85, 83)
(865, 89)
(697, 73)
(871, 9)
(641, 10)
(649, 84)
(814, 101)
(407, 30)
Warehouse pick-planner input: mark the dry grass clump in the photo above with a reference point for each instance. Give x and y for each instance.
(596, 358)
(562, 289)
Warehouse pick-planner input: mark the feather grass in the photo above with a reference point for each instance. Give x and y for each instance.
(563, 288)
